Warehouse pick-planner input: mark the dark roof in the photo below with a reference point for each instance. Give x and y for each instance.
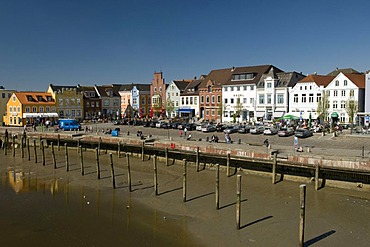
(104, 90)
(344, 71)
(129, 87)
(56, 88)
(181, 85)
(192, 88)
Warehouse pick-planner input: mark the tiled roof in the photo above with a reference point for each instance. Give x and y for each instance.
(57, 88)
(357, 79)
(35, 98)
(105, 89)
(181, 85)
(192, 88)
(321, 80)
(129, 87)
(344, 71)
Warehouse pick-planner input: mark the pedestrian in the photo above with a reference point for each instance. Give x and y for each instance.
(6, 136)
(185, 130)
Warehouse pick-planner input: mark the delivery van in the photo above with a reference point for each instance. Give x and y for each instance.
(69, 124)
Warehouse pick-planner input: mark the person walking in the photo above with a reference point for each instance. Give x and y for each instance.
(185, 130)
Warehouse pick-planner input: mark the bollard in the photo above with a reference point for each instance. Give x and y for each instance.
(155, 175)
(43, 153)
(166, 156)
(184, 182)
(119, 149)
(97, 163)
(82, 162)
(58, 142)
(34, 148)
(128, 171)
(53, 155)
(112, 170)
(66, 156)
(317, 175)
(217, 186)
(228, 165)
(238, 200)
(197, 160)
(28, 149)
(274, 163)
(239, 141)
(142, 150)
(13, 140)
(302, 213)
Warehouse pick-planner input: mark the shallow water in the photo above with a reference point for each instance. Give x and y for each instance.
(48, 211)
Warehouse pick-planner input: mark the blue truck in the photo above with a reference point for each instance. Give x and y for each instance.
(69, 124)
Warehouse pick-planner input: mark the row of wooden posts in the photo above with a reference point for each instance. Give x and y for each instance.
(25, 143)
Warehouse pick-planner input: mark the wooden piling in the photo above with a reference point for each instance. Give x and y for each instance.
(78, 146)
(274, 163)
(43, 153)
(34, 148)
(97, 163)
(155, 175)
(5, 146)
(302, 213)
(22, 147)
(317, 175)
(40, 141)
(128, 171)
(58, 142)
(13, 141)
(142, 151)
(53, 155)
(119, 149)
(99, 144)
(217, 186)
(228, 165)
(238, 200)
(112, 170)
(66, 156)
(166, 156)
(28, 149)
(197, 160)
(82, 161)
(184, 182)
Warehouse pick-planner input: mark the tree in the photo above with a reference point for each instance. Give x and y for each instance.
(170, 106)
(351, 109)
(238, 108)
(323, 105)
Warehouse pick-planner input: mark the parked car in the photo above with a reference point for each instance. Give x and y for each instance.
(69, 124)
(231, 129)
(209, 128)
(257, 130)
(153, 124)
(175, 125)
(189, 126)
(270, 130)
(285, 131)
(199, 127)
(244, 129)
(162, 125)
(303, 133)
(220, 128)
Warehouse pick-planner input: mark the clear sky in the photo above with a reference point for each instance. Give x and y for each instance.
(67, 42)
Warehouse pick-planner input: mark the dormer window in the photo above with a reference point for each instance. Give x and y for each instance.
(29, 97)
(243, 77)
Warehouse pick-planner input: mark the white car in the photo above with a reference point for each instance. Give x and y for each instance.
(270, 131)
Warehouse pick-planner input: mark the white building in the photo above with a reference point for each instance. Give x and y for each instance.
(173, 96)
(306, 94)
(189, 100)
(367, 92)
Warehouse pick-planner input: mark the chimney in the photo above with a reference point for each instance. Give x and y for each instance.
(233, 68)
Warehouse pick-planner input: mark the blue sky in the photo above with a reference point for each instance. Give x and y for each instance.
(66, 42)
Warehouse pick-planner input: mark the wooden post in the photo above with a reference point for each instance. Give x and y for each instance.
(82, 161)
(40, 141)
(112, 170)
(22, 147)
(13, 140)
(5, 146)
(34, 148)
(28, 149)
(197, 160)
(217, 186)
(302, 212)
(97, 162)
(78, 146)
(143, 151)
(228, 165)
(274, 162)
(53, 155)
(166, 156)
(66, 156)
(58, 142)
(43, 153)
(128, 171)
(155, 175)
(317, 175)
(184, 182)
(119, 149)
(238, 200)
(99, 144)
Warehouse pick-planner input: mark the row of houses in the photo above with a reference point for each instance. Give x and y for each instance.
(235, 94)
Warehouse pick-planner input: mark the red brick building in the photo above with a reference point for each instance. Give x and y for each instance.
(158, 94)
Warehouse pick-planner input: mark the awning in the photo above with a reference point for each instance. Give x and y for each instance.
(259, 114)
(334, 115)
(187, 110)
(278, 114)
(44, 114)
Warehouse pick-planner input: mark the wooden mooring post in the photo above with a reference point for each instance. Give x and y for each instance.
(43, 153)
(28, 149)
(142, 151)
(97, 163)
(58, 143)
(166, 156)
(155, 175)
(217, 186)
(66, 156)
(274, 163)
(34, 149)
(184, 182)
(22, 146)
(128, 171)
(317, 176)
(112, 170)
(119, 149)
(302, 213)
(99, 144)
(53, 156)
(228, 165)
(238, 200)
(13, 142)
(82, 161)
(197, 160)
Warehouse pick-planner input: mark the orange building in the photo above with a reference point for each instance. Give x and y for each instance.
(29, 107)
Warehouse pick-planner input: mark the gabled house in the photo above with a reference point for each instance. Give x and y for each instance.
(110, 98)
(68, 101)
(173, 92)
(30, 108)
(188, 105)
(306, 94)
(91, 106)
(5, 95)
(135, 100)
(158, 95)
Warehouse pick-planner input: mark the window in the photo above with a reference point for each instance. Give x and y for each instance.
(19, 109)
(78, 102)
(238, 88)
(207, 99)
(78, 112)
(218, 98)
(87, 103)
(92, 104)
(269, 85)
(183, 100)
(143, 100)
(160, 89)
(177, 103)
(106, 102)
(41, 109)
(73, 113)
(269, 99)
(231, 89)
(352, 93)
(191, 100)
(97, 104)
(251, 101)
(343, 92)
(244, 88)
(3, 95)
(252, 88)
(318, 97)
(280, 98)
(328, 92)
(336, 83)
(207, 112)
(225, 89)
(304, 98)
(187, 100)
(225, 101)
(195, 100)
(232, 101)
(10, 109)
(168, 95)
(14, 98)
(261, 99)
(27, 109)
(34, 109)
(295, 98)
(213, 99)
(343, 104)
(342, 117)
(335, 93)
(213, 112)
(53, 109)
(245, 100)
(134, 101)
(345, 82)
(335, 104)
(310, 98)
(60, 102)
(202, 99)
(209, 89)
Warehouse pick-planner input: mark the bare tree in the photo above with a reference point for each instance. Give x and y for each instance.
(238, 108)
(170, 106)
(323, 105)
(351, 109)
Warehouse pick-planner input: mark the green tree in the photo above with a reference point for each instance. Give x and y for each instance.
(351, 109)
(323, 105)
(170, 106)
(238, 109)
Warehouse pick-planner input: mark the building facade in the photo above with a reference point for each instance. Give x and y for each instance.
(173, 97)
(4, 98)
(189, 104)
(110, 99)
(91, 104)
(158, 94)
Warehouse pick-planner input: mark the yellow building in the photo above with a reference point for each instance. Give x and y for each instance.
(68, 101)
(30, 107)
